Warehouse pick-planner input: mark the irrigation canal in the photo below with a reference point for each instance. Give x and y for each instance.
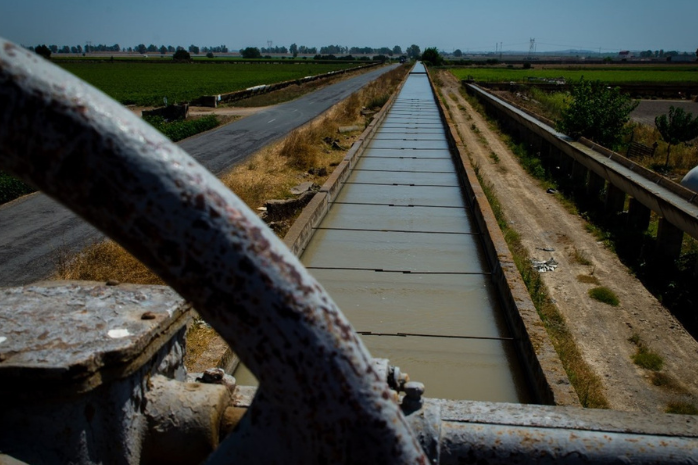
(401, 257)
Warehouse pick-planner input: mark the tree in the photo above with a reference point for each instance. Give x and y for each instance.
(141, 48)
(294, 50)
(598, 112)
(413, 51)
(458, 53)
(678, 127)
(181, 55)
(152, 48)
(397, 50)
(209, 55)
(44, 51)
(163, 50)
(432, 57)
(250, 52)
(194, 49)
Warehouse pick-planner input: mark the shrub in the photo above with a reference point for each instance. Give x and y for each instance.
(378, 102)
(432, 57)
(605, 295)
(181, 55)
(250, 52)
(597, 112)
(44, 51)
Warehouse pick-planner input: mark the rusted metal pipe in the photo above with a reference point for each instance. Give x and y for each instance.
(319, 400)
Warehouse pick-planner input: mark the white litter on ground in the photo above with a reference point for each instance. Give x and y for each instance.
(544, 266)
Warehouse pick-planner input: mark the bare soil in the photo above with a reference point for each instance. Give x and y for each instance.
(602, 332)
(204, 111)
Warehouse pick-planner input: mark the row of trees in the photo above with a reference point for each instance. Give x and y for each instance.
(412, 51)
(78, 48)
(329, 51)
(660, 54)
(140, 48)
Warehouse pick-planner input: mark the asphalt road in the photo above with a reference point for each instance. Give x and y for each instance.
(36, 231)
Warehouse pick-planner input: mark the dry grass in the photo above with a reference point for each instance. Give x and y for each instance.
(104, 261)
(581, 257)
(587, 279)
(683, 157)
(266, 175)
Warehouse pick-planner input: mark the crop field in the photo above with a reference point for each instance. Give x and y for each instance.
(611, 75)
(146, 84)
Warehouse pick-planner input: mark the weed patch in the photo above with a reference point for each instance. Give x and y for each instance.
(581, 257)
(662, 380)
(681, 408)
(604, 295)
(647, 359)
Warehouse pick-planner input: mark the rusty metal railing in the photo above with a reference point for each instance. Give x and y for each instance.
(320, 400)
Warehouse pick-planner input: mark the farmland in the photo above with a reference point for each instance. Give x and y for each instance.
(613, 75)
(146, 84)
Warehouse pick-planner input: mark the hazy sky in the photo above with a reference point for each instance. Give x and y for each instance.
(609, 25)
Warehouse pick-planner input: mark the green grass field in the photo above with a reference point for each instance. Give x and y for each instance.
(147, 84)
(611, 75)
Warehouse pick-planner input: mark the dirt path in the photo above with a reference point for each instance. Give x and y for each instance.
(601, 331)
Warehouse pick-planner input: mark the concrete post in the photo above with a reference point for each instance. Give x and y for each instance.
(564, 164)
(579, 175)
(545, 153)
(615, 199)
(595, 185)
(669, 240)
(638, 215)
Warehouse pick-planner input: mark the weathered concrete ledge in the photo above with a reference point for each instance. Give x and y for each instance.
(541, 363)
